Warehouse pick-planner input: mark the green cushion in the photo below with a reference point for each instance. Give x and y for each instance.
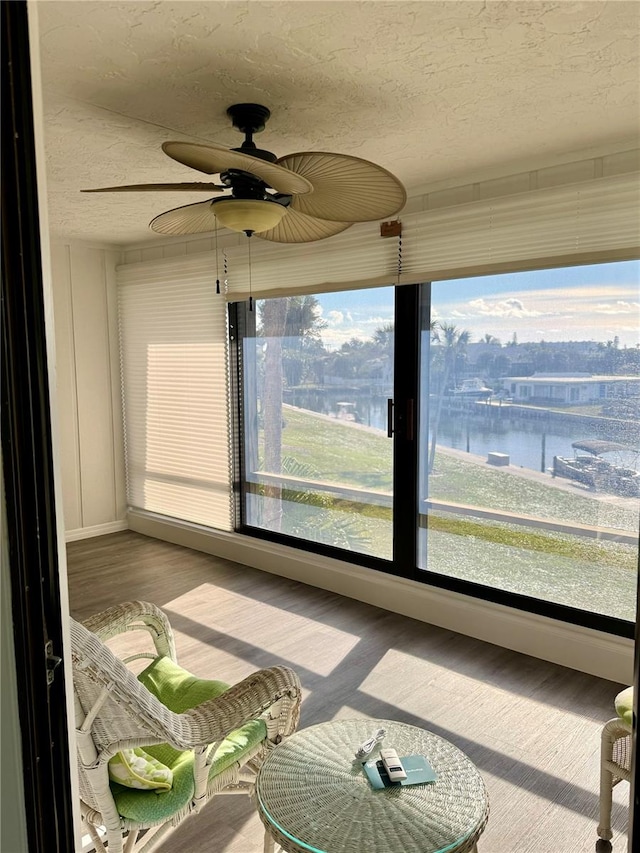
(149, 807)
(179, 691)
(624, 705)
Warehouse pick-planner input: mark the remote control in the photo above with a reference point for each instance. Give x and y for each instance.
(392, 764)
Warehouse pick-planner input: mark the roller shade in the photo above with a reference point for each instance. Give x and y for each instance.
(175, 389)
(576, 223)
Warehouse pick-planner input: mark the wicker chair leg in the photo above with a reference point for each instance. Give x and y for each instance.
(606, 784)
(606, 800)
(269, 845)
(97, 841)
(131, 841)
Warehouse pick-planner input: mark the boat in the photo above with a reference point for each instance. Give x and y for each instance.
(597, 473)
(346, 411)
(473, 389)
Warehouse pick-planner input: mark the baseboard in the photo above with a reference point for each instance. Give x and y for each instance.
(96, 530)
(594, 652)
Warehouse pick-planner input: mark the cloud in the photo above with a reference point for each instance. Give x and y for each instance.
(618, 307)
(510, 307)
(335, 318)
(587, 292)
(343, 326)
(377, 321)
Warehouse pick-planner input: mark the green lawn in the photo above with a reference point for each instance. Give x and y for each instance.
(340, 452)
(561, 567)
(359, 457)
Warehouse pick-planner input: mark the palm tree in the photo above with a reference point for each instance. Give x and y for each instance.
(273, 320)
(383, 337)
(454, 342)
(291, 327)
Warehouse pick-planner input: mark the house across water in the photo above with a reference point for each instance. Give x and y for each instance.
(560, 389)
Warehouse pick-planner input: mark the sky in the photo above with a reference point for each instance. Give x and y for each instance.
(588, 303)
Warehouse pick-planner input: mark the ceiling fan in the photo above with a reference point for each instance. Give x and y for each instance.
(293, 199)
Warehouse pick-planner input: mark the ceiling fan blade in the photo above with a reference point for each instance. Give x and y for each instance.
(213, 159)
(192, 185)
(297, 227)
(345, 188)
(189, 219)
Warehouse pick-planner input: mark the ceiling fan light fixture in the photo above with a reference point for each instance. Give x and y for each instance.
(254, 215)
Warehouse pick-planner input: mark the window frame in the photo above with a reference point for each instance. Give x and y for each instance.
(408, 307)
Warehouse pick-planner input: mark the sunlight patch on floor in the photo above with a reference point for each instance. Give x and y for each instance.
(219, 611)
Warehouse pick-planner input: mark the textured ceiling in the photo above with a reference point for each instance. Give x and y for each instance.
(433, 91)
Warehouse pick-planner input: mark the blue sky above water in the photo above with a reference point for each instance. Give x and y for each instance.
(596, 302)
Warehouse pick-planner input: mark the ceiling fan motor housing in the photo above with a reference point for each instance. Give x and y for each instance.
(244, 184)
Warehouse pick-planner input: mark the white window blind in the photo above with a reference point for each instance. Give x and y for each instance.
(575, 223)
(175, 389)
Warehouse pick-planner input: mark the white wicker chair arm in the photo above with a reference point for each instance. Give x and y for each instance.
(134, 615)
(247, 700)
(132, 714)
(617, 728)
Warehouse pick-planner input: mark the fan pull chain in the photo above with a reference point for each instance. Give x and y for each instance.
(250, 296)
(226, 270)
(399, 256)
(217, 265)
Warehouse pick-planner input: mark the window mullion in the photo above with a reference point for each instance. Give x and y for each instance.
(405, 452)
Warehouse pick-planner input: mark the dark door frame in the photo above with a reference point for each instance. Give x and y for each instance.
(27, 458)
(634, 794)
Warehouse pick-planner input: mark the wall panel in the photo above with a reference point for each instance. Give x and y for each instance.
(88, 385)
(66, 387)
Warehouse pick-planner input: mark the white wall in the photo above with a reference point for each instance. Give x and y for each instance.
(88, 388)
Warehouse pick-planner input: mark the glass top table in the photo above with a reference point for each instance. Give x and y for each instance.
(313, 797)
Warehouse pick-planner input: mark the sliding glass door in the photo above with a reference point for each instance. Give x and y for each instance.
(480, 435)
(317, 394)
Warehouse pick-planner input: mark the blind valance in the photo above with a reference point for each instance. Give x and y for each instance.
(575, 223)
(175, 389)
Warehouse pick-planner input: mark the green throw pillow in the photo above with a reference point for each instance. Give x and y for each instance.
(135, 768)
(624, 705)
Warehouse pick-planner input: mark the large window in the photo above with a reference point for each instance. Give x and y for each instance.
(536, 494)
(318, 378)
(480, 434)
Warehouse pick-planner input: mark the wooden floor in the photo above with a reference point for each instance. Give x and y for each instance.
(531, 727)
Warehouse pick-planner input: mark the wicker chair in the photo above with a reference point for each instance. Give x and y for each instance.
(615, 763)
(116, 711)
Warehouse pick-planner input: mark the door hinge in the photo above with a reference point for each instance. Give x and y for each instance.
(53, 661)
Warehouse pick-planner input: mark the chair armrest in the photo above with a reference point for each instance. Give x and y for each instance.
(248, 700)
(134, 616)
(104, 687)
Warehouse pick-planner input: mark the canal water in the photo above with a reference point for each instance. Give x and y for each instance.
(530, 442)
